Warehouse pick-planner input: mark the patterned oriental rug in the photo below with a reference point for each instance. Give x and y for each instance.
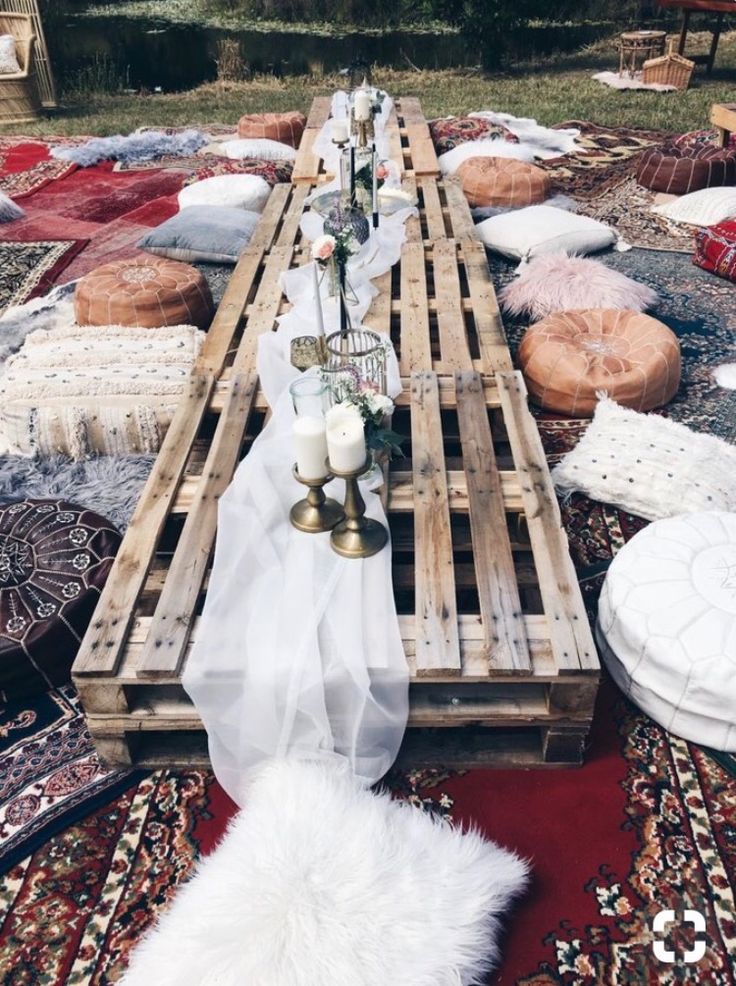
(29, 270)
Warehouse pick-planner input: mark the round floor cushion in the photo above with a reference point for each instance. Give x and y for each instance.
(287, 128)
(147, 291)
(667, 625)
(54, 560)
(681, 168)
(496, 181)
(569, 358)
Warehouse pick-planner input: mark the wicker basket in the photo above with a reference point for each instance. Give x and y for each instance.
(669, 70)
(19, 102)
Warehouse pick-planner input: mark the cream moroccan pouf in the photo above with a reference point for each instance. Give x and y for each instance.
(667, 625)
(502, 182)
(287, 128)
(148, 292)
(570, 358)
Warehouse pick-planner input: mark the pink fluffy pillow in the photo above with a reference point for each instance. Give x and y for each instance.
(558, 283)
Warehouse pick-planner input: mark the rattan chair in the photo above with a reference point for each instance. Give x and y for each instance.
(19, 102)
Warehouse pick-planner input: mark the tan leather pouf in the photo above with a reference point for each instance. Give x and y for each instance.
(149, 292)
(570, 357)
(287, 128)
(498, 181)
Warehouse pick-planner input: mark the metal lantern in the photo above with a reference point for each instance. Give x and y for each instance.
(360, 348)
(348, 219)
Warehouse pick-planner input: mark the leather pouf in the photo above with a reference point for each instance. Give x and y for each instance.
(570, 357)
(496, 181)
(287, 128)
(667, 625)
(148, 292)
(715, 249)
(680, 168)
(54, 560)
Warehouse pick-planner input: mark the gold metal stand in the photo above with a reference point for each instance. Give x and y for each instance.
(357, 536)
(316, 513)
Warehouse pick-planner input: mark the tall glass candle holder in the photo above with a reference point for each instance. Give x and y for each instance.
(315, 513)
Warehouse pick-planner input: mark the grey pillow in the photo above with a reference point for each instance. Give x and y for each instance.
(214, 233)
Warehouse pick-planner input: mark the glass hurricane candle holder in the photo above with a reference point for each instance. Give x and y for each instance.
(363, 349)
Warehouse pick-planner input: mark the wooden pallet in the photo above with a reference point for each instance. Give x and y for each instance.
(503, 666)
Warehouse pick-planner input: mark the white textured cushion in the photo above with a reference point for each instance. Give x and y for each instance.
(648, 466)
(706, 207)
(539, 229)
(260, 147)
(249, 192)
(212, 234)
(667, 625)
(8, 58)
(80, 390)
(450, 161)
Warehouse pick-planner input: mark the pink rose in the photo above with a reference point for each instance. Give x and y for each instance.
(323, 247)
(381, 171)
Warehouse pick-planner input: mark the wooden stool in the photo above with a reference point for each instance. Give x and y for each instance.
(723, 117)
(638, 47)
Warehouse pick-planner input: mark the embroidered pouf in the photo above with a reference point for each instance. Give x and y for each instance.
(147, 291)
(667, 625)
(678, 168)
(287, 128)
(496, 181)
(54, 560)
(715, 249)
(570, 358)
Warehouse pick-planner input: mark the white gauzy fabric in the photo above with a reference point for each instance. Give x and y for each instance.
(329, 152)
(298, 651)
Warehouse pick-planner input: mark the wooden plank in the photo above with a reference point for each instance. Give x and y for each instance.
(173, 619)
(289, 232)
(415, 351)
(319, 112)
(307, 163)
(265, 308)
(494, 349)
(393, 139)
(572, 641)
(454, 348)
(413, 225)
(461, 221)
(410, 110)
(438, 645)
(432, 208)
(423, 155)
(496, 578)
(101, 647)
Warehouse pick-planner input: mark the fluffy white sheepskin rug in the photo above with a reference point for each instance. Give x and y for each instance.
(558, 283)
(9, 211)
(319, 882)
(725, 376)
(450, 161)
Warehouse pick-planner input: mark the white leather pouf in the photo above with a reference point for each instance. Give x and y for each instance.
(667, 625)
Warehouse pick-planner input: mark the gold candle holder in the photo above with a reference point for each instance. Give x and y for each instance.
(316, 513)
(357, 536)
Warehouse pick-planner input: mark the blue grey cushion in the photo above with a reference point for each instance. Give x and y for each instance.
(213, 233)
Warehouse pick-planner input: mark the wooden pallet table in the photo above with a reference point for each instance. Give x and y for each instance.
(503, 667)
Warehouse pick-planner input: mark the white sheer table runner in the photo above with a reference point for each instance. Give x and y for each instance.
(298, 651)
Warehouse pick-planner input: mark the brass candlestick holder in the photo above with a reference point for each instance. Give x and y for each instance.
(357, 536)
(316, 513)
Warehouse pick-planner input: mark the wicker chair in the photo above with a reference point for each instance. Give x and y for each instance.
(19, 102)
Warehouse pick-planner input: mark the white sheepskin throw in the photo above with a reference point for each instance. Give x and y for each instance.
(558, 283)
(616, 81)
(319, 882)
(9, 210)
(725, 376)
(450, 161)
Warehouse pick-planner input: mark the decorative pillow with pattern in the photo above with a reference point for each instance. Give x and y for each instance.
(450, 133)
(274, 172)
(8, 57)
(715, 250)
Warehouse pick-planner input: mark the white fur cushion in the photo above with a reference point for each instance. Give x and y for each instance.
(249, 192)
(450, 161)
(706, 207)
(667, 625)
(8, 58)
(558, 283)
(260, 147)
(648, 466)
(212, 234)
(538, 229)
(319, 882)
(110, 389)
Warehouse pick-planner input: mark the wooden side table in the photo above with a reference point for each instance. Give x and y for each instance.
(688, 7)
(723, 117)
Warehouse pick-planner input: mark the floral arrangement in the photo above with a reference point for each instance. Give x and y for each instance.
(364, 176)
(375, 411)
(338, 249)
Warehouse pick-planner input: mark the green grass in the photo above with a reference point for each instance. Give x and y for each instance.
(559, 89)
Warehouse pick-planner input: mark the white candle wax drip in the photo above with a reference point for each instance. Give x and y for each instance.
(310, 442)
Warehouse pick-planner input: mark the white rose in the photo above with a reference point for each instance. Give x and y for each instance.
(380, 404)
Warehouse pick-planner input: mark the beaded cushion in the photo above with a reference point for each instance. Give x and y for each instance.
(679, 168)
(287, 128)
(715, 249)
(150, 292)
(569, 358)
(54, 560)
(448, 134)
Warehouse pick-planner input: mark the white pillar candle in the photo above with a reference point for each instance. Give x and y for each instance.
(346, 445)
(310, 442)
(318, 302)
(362, 105)
(340, 131)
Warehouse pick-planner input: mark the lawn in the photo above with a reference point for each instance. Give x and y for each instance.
(558, 89)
